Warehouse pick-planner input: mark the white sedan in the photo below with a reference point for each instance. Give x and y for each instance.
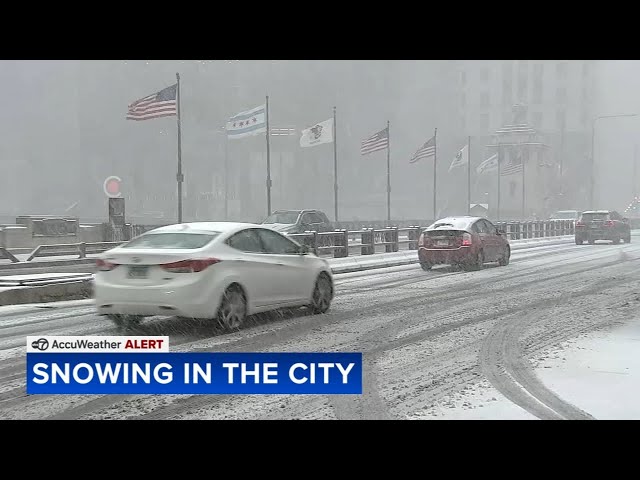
(222, 271)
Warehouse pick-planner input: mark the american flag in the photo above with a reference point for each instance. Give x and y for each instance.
(425, 151)
(377, 141)
(511, 169)
(160, 104)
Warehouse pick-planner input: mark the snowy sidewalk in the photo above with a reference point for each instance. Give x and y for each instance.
(598, 372)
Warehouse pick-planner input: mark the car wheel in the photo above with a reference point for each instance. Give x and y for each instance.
(579, 242)
(125, 321)
(616, 241)
(426, 266)
(233, 308)
(322, 294)
(504, 260)
(591, 242)
(628, 239)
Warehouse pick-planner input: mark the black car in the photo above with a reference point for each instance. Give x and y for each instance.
(299, 221)
(608, 225)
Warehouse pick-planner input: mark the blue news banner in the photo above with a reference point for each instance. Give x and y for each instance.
(194, 373)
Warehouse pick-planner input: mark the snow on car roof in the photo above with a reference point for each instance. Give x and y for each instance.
(456, 223)
(202, 227)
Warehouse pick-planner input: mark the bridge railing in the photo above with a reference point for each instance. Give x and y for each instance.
(337, 244)
(367, 241)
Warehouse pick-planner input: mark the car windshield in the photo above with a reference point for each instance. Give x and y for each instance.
(177, 240)
(283, 217)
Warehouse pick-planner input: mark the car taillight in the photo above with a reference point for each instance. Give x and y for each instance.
(579, 224)
(421, 241)
(608, 223)
(189, 266)
(104, 266)
(466, 239)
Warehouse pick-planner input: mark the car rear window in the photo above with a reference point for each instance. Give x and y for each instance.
(450, 224)
(588, 217)
(177, 240)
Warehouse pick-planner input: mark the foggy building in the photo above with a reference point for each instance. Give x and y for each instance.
(559, 97)
(66, 132)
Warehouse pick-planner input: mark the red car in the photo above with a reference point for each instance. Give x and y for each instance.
(465, 241)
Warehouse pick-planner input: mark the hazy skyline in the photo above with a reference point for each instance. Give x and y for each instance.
(65, 131)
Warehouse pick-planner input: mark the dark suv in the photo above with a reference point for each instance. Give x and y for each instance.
(299, 221)
(602, 225)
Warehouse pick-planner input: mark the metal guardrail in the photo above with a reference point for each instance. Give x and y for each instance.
(339, 243)
(66, 249)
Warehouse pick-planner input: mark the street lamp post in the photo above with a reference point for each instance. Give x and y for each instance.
(593, 140)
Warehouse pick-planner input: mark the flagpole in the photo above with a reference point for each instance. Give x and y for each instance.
(435, 162)
(498, 202)
(226, 176)
(523, 190)
(635, 171)
(268, 158)
(335, 167)
(179, 175)
(388, 173)
(469, 175)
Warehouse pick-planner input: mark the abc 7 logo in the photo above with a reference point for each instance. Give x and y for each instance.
(41, 344)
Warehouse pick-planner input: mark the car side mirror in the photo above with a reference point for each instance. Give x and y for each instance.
(303, 250)
(501, 232)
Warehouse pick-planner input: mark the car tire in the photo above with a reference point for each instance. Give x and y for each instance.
(616, 241)
(322, 294)
(591, 242)
(125, 321)
(232, 312)
(627, 239)
(504, 260)
(579, 242)
(426, 266)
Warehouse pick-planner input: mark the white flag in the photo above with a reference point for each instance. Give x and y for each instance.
(489, 164)
(462, 158)
(318, 134)
(246, 124)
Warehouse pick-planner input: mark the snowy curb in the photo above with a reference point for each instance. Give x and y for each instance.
(73, 290)
(47, 263)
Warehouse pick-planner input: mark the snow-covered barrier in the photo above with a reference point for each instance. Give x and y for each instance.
(19, 291)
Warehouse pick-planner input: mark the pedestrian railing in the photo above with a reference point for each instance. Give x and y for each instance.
(338, 244)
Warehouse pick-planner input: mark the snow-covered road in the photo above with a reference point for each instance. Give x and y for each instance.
(429, 338)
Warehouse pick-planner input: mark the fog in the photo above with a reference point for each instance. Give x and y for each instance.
(65, 132)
